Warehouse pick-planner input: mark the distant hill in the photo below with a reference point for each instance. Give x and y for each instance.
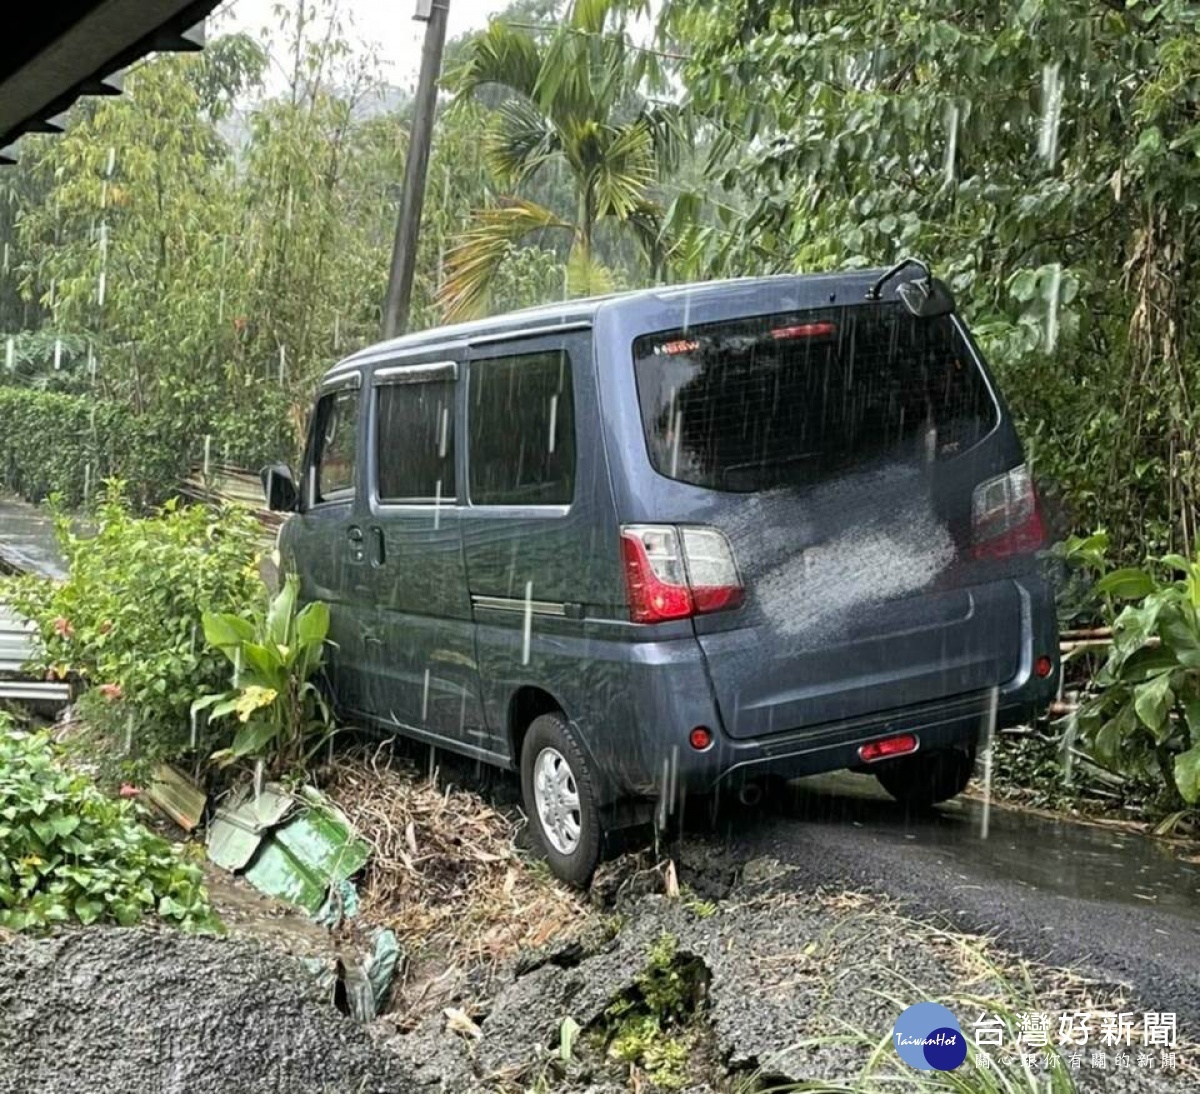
(385, 100)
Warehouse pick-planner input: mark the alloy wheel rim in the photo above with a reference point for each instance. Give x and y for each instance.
(556, 795)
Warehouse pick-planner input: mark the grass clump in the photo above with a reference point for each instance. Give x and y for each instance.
(445, 873)
(649, 1027)
(979, 978)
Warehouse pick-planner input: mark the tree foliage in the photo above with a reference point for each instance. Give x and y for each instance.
(1143, 717)
(121, 249)
(574, 100)
(197, 251)
(1042, 154)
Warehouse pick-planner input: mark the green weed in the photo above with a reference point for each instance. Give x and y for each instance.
(67, 852)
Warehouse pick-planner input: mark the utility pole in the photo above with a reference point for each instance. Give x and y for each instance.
(412, 199)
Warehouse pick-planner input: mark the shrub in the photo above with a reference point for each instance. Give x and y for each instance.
(68, 852)
(53, 443)
(256, 432)
(284, 718)
(1144, 719)
(127, 619)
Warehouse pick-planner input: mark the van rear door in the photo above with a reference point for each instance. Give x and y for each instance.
(841, 451)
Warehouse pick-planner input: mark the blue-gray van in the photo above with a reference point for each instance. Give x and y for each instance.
(684, 540)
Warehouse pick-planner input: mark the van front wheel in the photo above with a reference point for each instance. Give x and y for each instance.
(560, 799)
(927, 778)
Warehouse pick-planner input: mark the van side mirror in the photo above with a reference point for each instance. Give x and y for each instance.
(279, 487)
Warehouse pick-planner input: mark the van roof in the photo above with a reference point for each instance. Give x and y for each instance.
(853, 283)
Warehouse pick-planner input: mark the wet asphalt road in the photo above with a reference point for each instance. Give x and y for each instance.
(27, 542)
(1120, 908)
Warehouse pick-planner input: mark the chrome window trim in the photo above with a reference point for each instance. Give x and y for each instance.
(518, 604)
(529, 332)
(384, 352)
(516, 510)
(432, 372)
(330, 384)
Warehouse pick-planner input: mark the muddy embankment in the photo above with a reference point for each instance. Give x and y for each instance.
(738, 983)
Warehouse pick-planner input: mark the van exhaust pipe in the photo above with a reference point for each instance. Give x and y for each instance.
(750, 794)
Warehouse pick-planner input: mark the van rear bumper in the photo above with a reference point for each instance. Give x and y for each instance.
(960, 721)
(634, 704)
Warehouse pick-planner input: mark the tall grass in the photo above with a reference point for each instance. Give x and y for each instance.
(1011, 993)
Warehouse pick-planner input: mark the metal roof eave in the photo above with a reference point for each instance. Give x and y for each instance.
(81, 60)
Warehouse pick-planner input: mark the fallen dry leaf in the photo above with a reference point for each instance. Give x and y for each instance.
(458, 1021)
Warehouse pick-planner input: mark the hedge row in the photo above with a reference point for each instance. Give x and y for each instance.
(55, 443)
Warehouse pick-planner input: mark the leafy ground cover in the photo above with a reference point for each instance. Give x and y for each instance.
(70, 853)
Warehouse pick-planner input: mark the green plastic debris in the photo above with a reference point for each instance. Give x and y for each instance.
(301, 858)
(341, 904)
(359, 988)
(296, 847)
(238, 829)
(381, 968)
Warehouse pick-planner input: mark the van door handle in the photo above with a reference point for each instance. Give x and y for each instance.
(355, 535)
(378, 556)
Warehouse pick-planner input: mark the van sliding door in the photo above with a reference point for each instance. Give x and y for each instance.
(539, 531)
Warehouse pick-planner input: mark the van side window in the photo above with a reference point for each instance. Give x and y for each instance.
(522, 430)
(414, 441)
(334, 453)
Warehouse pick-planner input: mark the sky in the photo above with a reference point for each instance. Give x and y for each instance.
(387, 23)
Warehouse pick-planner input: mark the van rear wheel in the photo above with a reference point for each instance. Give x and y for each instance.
(926, 778)
(560, 799)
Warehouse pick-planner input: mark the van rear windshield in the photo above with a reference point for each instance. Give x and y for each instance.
(786, 399)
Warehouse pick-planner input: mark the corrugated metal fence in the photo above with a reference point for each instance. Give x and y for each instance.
(19, 641)
(18, 645)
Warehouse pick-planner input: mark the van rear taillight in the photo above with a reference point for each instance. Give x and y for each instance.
(1005, 516)
(675, 573)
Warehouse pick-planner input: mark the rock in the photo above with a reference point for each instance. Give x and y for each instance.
(764, 871)
(437, 1059)
(528, 1012)
(133, 1010)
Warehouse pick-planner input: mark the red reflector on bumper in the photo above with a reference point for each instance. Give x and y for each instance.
(889, 746)
(1043, 667)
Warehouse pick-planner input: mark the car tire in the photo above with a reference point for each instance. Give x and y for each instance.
(923, 780)
(560, 796)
